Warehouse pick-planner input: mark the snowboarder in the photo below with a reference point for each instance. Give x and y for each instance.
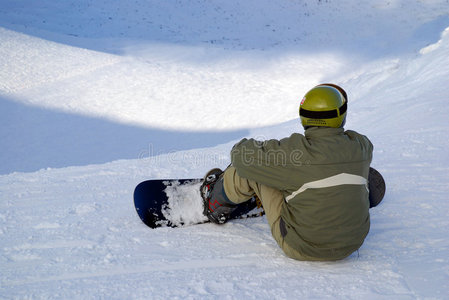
(313, 187)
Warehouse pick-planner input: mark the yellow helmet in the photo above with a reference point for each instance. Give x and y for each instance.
(325, 105)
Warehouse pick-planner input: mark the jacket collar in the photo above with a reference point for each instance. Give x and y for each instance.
(313, 132)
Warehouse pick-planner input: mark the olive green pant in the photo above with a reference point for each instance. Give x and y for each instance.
(239, 190)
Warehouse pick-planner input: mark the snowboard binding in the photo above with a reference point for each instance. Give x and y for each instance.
(217, 206)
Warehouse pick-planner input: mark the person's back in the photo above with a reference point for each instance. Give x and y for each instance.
(326, 213)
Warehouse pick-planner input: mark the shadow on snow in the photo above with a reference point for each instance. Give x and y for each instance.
(34, 138)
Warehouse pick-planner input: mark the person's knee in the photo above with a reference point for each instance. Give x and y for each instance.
(236, 188)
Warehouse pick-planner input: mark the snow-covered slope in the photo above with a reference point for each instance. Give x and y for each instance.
(100, 95)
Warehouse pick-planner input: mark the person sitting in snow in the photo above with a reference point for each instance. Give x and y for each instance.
(313, 187)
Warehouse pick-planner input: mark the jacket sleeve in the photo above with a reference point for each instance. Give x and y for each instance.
(266, 162)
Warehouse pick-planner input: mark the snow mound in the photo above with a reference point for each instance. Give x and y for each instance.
(442, 43)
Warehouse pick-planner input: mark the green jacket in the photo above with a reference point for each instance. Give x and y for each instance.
(323, 176)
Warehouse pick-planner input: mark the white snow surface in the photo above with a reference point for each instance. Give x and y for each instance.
(184, 206)
(97, 96)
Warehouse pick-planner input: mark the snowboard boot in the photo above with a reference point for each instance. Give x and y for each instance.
(217, 206)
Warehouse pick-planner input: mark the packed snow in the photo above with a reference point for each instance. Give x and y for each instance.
(184, 206)
(97, 96)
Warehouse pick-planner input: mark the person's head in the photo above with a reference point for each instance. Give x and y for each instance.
(324, 106)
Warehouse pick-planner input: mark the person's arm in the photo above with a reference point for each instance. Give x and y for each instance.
(266, 162)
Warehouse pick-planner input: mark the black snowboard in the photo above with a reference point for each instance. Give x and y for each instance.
(376, 186)
(154, 207)
(156, 200)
